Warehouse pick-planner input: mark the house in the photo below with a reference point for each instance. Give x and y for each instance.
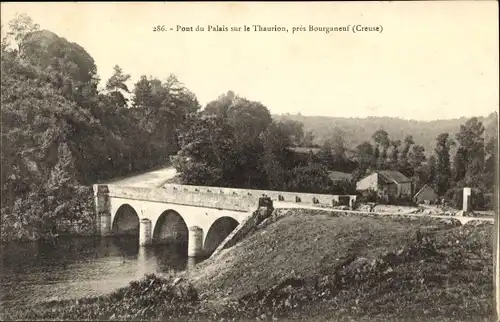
(305, 150)
(426, 195)
(388, 184)
(337, 176)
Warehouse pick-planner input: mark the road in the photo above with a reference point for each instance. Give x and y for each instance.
(150, 179)
(462, 219)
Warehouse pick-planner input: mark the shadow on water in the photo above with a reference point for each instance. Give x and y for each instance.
(73, 267)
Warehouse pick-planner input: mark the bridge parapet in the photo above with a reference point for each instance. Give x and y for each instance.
(308, 198)
(190, 197)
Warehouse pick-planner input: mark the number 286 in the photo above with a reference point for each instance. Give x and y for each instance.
(159, 28)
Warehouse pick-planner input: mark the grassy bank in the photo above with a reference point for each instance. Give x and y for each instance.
(312, 265)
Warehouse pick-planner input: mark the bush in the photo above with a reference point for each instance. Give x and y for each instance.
(478, 199)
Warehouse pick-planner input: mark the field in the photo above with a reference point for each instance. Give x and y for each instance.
(314, 265)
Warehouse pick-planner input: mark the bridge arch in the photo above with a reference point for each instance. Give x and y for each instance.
(126, 221)
(219, 230)
(171, 228)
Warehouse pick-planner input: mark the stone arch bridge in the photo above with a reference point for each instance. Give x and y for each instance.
(201, 217)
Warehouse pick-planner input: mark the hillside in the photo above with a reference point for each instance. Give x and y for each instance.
(358, 130)
(316, 266)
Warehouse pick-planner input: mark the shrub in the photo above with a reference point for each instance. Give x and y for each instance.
(478, 199)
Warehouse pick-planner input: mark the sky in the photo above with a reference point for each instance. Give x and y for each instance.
(432, 60)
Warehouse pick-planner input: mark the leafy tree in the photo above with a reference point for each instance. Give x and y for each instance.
(295, 130)
(276, 158)
(416, 156)
(459, 164)
(117, 83)
(472, 152)
(365, 158)
(408, 142)
(416, 170)
(142, 94)
(205, 145)
(20, 26)
(490, 172)
(395, 152)
(310, 178)
(443, 170)
(381, 138)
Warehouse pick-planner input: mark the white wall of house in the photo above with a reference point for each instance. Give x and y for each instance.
(368, 182)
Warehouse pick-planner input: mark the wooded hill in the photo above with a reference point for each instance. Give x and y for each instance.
(357, 130)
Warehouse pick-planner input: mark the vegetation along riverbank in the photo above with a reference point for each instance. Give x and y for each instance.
(315, 265)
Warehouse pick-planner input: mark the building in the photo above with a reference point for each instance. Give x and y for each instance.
(337, 176)
(388, 185)
(426, 195)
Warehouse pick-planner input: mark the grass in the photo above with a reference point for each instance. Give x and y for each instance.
(317, 266)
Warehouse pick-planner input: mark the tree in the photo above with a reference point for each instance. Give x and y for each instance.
(162, 108)
(443, 171)
(338, 147)
(408, 142)
(295, 130)
(325, 155)
(20, 26)
(142, 96)
(117, 83)
(472, 154)
(311, 178)
(459, 164)
(365, 157)
(426, 173)
(230, 136)
(276, 158)
(416, 156)
(203, 159)
(395, 152)
(382, 139)
(490, 172)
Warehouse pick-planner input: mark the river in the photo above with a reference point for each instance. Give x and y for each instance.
(74, 267)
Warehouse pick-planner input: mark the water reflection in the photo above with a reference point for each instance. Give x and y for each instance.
(76, 267)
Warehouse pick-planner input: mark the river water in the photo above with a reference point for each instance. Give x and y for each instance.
(75, 267)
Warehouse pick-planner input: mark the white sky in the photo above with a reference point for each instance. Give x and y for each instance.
(432, 60)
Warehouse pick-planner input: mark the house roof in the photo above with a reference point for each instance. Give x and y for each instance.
(337, 175)
(303, 149)
(424, 187)
(392, 176)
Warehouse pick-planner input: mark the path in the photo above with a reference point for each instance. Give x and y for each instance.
(462, 219)
(151, 179)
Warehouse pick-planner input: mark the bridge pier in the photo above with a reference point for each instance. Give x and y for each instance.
(195, 241)
(144, 232)
(102, 208)
(105, 223)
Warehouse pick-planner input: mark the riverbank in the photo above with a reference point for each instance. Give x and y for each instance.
(41, 215)
(316, 265)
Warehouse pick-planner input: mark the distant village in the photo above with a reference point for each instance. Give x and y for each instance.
(388, 186)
